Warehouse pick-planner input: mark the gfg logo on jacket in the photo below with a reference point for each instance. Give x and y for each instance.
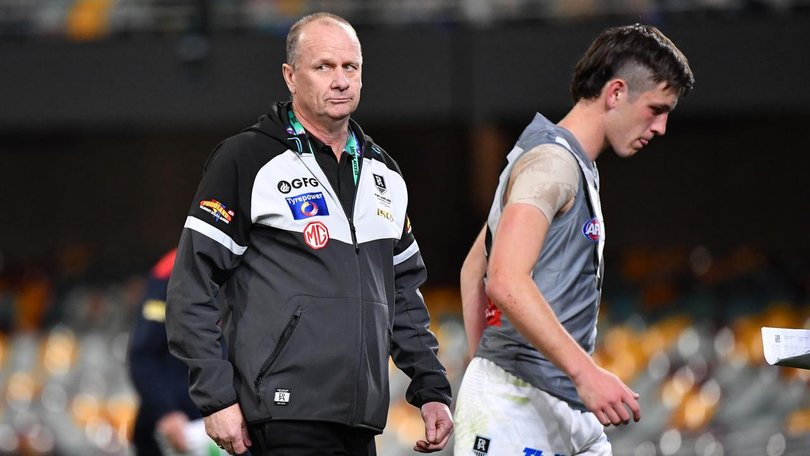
(286, 187)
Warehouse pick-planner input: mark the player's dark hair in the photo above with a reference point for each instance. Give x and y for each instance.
(638, 44)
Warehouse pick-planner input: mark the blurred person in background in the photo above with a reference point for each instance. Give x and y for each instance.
(532, 281)
(300, 225)
(161, 380)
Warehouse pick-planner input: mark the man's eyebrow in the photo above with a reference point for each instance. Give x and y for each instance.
(664, 107)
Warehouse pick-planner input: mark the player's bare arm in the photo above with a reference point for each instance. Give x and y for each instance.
(474, 299)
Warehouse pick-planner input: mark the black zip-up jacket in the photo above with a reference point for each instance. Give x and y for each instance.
(310, 300)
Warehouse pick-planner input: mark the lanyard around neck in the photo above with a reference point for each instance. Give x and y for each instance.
(352, 148)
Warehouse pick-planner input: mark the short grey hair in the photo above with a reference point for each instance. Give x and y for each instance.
(294, 34)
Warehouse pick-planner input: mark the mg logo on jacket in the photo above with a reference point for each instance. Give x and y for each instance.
(316, 235)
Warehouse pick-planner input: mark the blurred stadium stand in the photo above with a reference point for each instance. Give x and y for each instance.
(91, 88)
(94, 19)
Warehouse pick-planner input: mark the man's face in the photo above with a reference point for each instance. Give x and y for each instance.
(326, 80)
(638, 117)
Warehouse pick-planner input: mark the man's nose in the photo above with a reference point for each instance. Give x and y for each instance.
(340, 81)
(659, 127)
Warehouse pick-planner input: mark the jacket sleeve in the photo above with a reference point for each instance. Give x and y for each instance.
(414, 347)
(214, 238)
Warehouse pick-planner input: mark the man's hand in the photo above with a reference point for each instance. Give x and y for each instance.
(172, 426)
(607, 396)
(438, 427)
(228, 429)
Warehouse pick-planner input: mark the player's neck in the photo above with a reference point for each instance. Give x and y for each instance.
(584, 121)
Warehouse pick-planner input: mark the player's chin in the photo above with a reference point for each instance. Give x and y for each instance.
(627, 152)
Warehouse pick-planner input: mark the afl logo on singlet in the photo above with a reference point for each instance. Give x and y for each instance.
(592, 229)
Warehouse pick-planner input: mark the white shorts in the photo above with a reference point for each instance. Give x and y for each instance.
(499, 414)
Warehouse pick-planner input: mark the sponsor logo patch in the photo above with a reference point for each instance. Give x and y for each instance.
(385, 214)
(592, 229)
(281, 396)
(316, 235)
(302, 182)
(218, 210)
(532, 452)
(481, 446)
(384, 202)
(307, 205)
(492, 314)
(379, 181)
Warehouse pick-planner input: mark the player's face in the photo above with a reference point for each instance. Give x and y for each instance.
(326, 80)
(638, 117)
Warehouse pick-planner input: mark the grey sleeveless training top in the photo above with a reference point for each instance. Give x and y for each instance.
(568, 272)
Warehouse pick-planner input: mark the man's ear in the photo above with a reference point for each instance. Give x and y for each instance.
(287, 71)
(614, 90)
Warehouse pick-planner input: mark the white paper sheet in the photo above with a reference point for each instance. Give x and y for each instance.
(786, 347)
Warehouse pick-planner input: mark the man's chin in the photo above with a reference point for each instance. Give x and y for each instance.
(340, 112)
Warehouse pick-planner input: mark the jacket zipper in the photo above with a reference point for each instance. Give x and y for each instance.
(354, 235)
(354, 419)
(282, 341)
(362, 319)
(351, 209)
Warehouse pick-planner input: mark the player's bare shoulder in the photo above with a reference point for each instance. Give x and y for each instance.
(547, 177)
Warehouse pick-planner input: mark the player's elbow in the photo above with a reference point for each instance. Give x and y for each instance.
(499, 288)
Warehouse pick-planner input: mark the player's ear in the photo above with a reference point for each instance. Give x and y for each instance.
(614, 90)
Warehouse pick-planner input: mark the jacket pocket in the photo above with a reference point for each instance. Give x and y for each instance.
(286, 334)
